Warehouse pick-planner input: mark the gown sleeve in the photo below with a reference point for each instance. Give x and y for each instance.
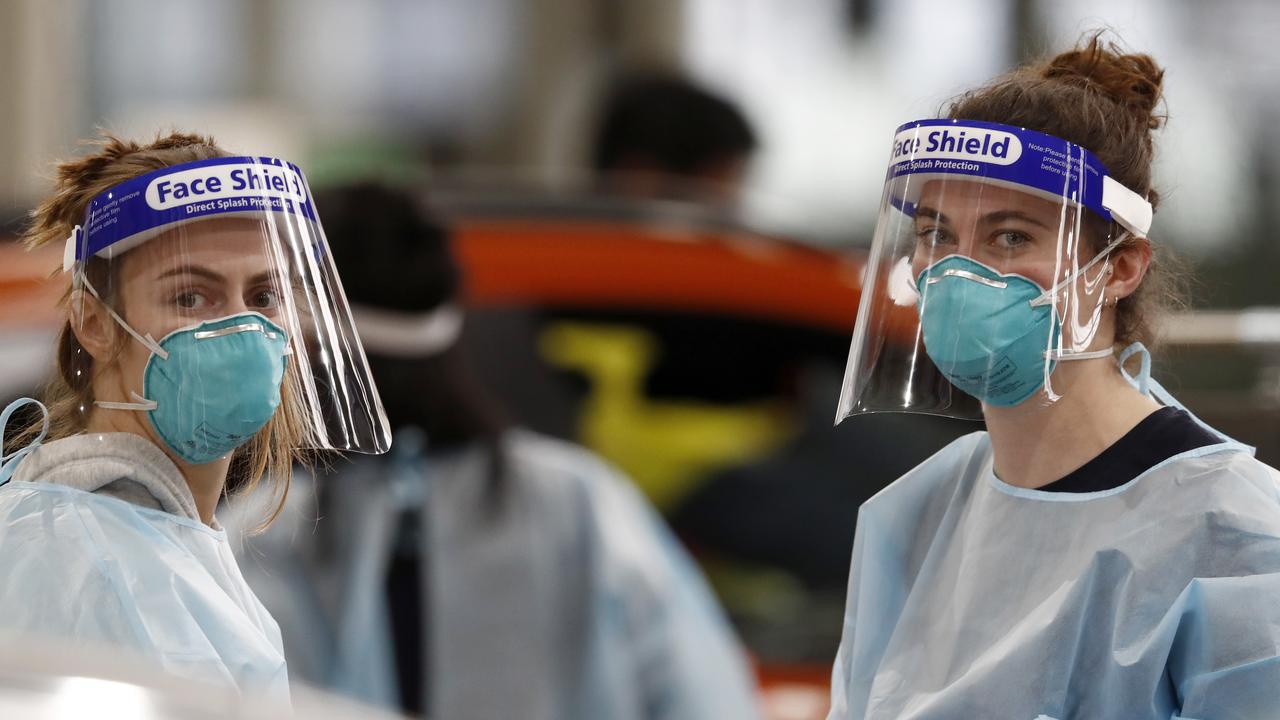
(893, 528)
(657, 629)
(1225, 658)
(57, 587)
(79, 577)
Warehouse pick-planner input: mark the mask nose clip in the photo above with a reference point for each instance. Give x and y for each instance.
(965, 274)
(234, 329)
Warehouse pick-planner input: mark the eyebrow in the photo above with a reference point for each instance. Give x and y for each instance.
(990, 218)
(1002, 215)
(931, 213)
(207, 274)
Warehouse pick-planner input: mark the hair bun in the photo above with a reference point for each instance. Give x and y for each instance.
(1133, 81)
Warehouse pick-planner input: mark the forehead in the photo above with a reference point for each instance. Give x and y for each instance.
(228, 243)
(974, 198)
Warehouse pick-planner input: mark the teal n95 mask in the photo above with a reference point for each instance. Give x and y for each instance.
(226, 262)
(987, 332)
(209, 387)
(988, 268)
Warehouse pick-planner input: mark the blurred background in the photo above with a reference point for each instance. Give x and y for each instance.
(693, 332)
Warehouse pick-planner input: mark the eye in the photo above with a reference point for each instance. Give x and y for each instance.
(933, 235)
(1010, 239)
(191, 300)
(264, 299)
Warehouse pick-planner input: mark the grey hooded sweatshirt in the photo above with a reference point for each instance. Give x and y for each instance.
(120, 465)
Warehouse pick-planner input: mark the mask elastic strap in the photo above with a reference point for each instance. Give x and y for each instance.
(146, 340)
(142, 404)
(1051, 294)
(9, 463)
(1084, 355)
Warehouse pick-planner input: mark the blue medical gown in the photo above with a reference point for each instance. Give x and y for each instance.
(574, 602)
(78, 568)
(971, 598)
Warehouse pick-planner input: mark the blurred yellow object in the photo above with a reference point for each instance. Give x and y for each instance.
(665, 446)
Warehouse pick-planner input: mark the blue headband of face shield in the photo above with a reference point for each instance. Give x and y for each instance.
(1011, 156)
(144, 207)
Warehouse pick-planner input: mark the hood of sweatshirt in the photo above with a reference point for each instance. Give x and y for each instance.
(120, 465)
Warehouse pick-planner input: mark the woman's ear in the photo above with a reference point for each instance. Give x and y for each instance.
(92, 325)
(1129, 264)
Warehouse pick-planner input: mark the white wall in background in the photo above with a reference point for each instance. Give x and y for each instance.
(826, 101)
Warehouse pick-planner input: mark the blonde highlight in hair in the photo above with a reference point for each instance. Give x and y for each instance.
(69, 394)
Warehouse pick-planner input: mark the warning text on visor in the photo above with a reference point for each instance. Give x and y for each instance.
(217, 182)
(957, 143)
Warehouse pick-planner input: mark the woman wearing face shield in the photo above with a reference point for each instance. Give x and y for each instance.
(206, 345)
(1098, 551)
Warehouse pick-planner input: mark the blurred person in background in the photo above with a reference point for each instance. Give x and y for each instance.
(663, 137)
(108, 535)
(1097, 551)
(480, 570)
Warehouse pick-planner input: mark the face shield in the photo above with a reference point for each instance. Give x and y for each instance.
(987, 270)
(208, 291)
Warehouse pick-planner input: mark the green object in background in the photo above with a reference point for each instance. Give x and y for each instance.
(389, 160)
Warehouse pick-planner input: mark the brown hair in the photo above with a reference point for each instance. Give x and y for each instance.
(69, 395)
(1101, 98)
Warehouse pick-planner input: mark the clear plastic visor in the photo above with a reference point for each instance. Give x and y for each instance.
(975, 291)
(202, 289)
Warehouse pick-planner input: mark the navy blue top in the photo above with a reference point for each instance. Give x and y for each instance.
(1161, 435)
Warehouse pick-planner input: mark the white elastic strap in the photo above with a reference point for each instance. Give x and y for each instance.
(147, 341)
(1049, 295)
(1086, 355)
(142, 404)
(902, 286)
(1127, 207)
(69, 250)
(396, 334)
